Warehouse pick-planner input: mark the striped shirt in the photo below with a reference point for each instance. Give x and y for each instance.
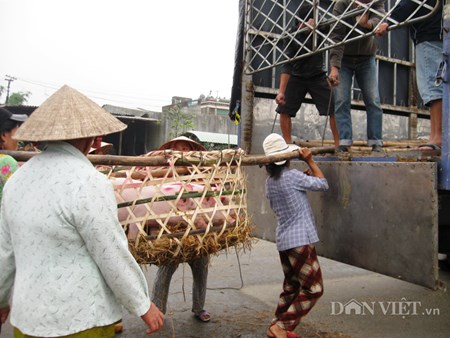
(288, 199)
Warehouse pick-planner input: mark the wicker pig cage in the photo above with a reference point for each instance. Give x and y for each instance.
(193, 205)
(176, 206)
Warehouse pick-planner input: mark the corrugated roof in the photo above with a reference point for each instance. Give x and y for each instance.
(217, 138)
(134, 114)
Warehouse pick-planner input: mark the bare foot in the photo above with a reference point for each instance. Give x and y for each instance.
(276, 332)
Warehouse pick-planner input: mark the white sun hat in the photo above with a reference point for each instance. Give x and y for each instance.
(275, 144)
(68, 115)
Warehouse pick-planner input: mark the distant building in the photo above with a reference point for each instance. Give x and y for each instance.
(213, 141)
(147, 130)
(142, 135)
(204, 105)
(208, 114)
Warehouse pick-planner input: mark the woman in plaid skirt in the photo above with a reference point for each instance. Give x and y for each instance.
(295, 234)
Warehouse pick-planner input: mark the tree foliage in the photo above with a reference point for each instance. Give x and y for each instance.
(180, 122)
(18, 98)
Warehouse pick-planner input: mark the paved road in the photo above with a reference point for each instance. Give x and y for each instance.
(243, 291)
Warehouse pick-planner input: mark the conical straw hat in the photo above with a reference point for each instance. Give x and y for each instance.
(68, 115)
(171, 143)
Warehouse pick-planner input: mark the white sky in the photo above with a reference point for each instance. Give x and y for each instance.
(130, 53)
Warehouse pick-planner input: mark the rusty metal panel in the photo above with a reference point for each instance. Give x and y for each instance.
(379, 216)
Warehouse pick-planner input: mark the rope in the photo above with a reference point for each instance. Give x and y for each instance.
(240, 276)
(274, 120)
(328, 112)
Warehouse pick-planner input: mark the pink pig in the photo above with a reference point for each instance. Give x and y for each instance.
(217, 216)
(128, 190)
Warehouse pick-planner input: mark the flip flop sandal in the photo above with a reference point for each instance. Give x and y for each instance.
(203, 316)
(429, 146)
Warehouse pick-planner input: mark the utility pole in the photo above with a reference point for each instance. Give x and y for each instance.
(9, 79)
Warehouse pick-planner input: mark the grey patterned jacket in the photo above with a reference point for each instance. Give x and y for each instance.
(63, 249)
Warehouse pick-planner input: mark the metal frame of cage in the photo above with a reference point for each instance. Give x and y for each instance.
(266, 23)
(258, 38)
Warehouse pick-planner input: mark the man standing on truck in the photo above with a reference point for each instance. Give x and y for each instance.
(427, 38)
(306, 75)
(356, 59)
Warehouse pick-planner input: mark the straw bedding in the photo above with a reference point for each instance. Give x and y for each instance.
(195, 206)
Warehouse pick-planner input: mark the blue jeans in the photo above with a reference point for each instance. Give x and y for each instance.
(365, 71)
(428, 58)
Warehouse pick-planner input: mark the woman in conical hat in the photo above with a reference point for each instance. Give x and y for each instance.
(68, 252)
(68, 115)
(182, 143)
(199, 265)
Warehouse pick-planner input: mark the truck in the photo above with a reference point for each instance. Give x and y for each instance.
(386, 213)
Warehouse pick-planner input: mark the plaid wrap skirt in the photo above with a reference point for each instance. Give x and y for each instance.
(302, 286)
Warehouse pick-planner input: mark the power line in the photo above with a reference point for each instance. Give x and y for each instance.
(96, 92)
(114, 97)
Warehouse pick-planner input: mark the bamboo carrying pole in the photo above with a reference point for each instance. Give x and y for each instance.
(161, 161)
